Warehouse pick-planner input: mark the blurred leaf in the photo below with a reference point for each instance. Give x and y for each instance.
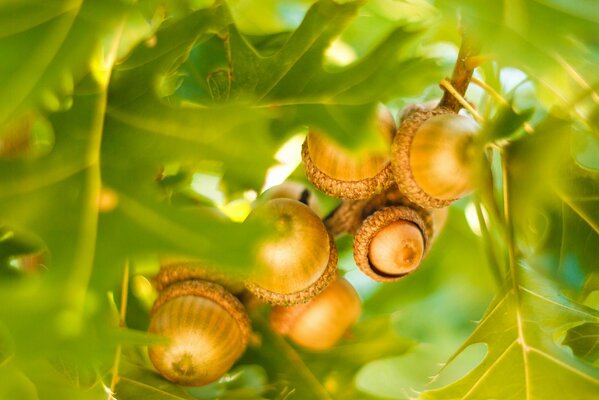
(370, 340)
(244, 382)
(281, 78)
(584, 341)
(46, 48)
(283, 364)
(507, 123)
(137, 382)
(16, 385)
(579, 191)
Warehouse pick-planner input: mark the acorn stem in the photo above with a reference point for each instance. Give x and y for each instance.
(445, 84)
(345, 218)
(462, 73)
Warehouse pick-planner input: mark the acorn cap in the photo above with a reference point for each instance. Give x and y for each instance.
(382, 221)
(298, 261)
(346, 218)
(350, 214)
(340, 174)
(319, 324)
(176, 269)
(207, 327)
(392, 197)
(401, 158)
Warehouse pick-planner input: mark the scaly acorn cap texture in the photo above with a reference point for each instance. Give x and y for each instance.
(350, 214)
(177, 269)
(388, 222)
(319, 324)
(340, 174)
(393, 198)
(207, 328)
(430, 169)
(298, 261)
(345, 218)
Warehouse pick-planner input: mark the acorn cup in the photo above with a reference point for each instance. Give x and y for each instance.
(298, 260)
(338, 173)
(432, 155)
(175, 269)
(319, 324)
(207, 330)
(392, 242)
(350, 214)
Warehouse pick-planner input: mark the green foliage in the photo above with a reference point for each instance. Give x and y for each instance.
(116, 116)
(520, 329)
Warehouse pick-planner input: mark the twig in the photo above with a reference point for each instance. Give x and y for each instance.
(509, 224)
(502, 100)
(462, 73)
(445, 84)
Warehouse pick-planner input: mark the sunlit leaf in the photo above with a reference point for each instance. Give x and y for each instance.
(520, 329)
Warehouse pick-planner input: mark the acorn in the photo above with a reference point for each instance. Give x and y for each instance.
(391, 243)
(207, 330)
(321, 323)
(298, 260)
(338, 173)
(291, 190)
(432, 156)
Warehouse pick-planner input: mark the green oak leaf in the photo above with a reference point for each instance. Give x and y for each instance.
(579, 191)
(524, 360)
(584, 341)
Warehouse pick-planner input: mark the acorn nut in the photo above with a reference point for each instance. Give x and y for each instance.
(321, 323)
(298, 260)
(391, 243)
(432, 156)
(291, 190)
(338, 173)
(207, 327)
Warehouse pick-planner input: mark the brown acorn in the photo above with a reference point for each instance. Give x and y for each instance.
(391, 243)
(299, 259)
(432, 155)
(291, 190)
(319, 324)
(207, 330)
(338, 173)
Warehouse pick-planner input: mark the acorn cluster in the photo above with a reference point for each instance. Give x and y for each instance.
(392, 202)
